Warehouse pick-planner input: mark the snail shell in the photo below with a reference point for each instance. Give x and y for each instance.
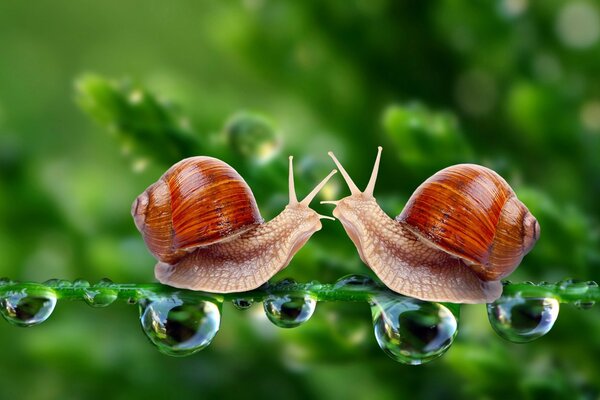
(197, 202)
(470, 212)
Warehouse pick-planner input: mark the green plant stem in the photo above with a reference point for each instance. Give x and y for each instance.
(564, 291)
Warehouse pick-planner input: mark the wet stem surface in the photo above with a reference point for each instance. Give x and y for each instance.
(410, 331)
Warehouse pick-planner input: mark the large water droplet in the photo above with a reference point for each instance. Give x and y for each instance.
(412, 331)
(179, 328)
(290, 310)
(521, 319)
(29, 306)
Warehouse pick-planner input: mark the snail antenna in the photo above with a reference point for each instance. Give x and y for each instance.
(353, 188)
(371, 186)
(292, 188)
(316, 190)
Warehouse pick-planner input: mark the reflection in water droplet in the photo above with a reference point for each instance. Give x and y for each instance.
(179, 328)
(522, 320)
(100, 297)
(242, 304)
(5, 281)
(29, 306)
(412, 331)
(291, 310)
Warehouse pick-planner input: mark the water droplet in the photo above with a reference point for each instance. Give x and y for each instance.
(573, 287)
(80, 283)
(253, 136)
(355, 282)
(291, 310)
(104, 282)
(584, 305)
(521, 319)
(242, 304)
(412, 331)
(285, 282)
(29, 306)
(58, 283)
(99, 296)
(179, 328)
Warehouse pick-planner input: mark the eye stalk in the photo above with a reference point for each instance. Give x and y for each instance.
(351, 185)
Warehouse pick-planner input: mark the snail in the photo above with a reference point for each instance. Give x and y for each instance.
(460, 232)
(201, 222)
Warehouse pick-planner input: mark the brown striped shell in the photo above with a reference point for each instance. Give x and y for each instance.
(470, 212)
(197, 202)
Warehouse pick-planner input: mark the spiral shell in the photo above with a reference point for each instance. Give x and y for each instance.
(470, 212)
(197, 202)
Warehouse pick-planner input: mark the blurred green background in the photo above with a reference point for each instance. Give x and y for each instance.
(512, 84)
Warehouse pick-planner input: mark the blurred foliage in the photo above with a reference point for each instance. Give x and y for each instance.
(512, 85)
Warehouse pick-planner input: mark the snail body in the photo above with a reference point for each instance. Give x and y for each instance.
(461, 231)
(201, 222)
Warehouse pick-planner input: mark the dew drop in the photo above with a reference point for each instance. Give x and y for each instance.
(80, 283)
(354, 282)
(104, 282)
(58, 283)
(412, 331)
(520, 320)
(242, 304)
(584, 305)
(574, 287)
(29, 306)
(291, 310)
(253, 136)
(99, 297)
(179, 328)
